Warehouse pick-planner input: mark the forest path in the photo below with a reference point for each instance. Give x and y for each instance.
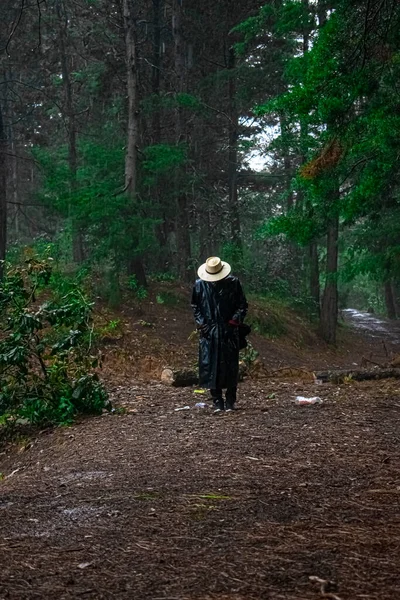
(155, 503)
(371, 325)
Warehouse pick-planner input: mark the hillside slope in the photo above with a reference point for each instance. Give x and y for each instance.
(159, 331)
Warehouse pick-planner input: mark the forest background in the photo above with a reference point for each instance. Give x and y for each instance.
(139, 137)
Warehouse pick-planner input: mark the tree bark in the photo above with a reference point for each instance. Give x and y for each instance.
(339, 376)
(66, 69)
(9, 117)
(133, 104)
(156, 67)
(135, 264)
(314, 275)
(390, 300)
(162, 227)
(314, 285)
(287, 165)
(233, 133)
(182, 217)
(396, 297)
(329, 307)
(14, 182)
(179, 377)
(3, 195)
(186, 377)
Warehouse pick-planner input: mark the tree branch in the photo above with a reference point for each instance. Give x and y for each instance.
(14, 28)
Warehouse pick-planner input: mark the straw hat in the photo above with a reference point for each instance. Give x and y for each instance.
(214, 269)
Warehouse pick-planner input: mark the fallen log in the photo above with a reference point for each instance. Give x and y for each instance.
(292, 373)
(187, 377)
(339, 376)
(179, 377)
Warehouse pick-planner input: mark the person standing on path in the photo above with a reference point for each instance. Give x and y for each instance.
(219, 307)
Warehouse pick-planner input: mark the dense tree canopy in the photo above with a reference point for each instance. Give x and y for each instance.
(140, 137)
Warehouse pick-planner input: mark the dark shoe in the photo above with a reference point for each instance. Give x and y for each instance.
(218, 405)
(230, 398)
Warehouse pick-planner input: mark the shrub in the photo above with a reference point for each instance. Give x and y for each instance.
(139, 291)
(46, 351)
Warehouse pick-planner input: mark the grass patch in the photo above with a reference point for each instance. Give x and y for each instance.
(168, 298)
(273, 318)
(211, 496)
(266, 324)
(214, 497)
(147, 496)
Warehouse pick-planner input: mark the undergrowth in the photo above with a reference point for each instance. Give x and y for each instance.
(47, 353)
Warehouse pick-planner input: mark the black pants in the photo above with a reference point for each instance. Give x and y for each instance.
(230, 396)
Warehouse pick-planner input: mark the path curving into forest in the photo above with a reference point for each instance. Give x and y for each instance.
(371, 325)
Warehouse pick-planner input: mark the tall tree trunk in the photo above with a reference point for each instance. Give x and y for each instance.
(135, 264)
(314, 275)
(287, 164)
(329, 306)
(233, 202)
(66, 69)
(3, 194)
(14, 182)
(313, 262)
(133, 104)
(390, 300)
(314, 285)
(11, 164)
(396, 296)
(156, 67)
(182, 217)
(161, 228)
(322, 12)
(306, 30)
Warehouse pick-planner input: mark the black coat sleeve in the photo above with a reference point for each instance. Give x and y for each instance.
(241, 304)
(196, 306)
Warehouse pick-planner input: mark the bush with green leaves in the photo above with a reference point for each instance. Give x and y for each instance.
(139, 290)
(47, 357)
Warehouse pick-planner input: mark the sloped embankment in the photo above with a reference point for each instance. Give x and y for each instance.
(159, 331)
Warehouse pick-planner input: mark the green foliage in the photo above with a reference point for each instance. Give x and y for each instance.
(113, 292)
(364, 292)
(46, 352)
(233, 254)
(250, 28)
(339, 121)
(249, 355)
(168, 298)
(267, 325)
(111, 328)
(297, 227)
(164, 277)
(116, 226)
(189, 101)
(90, 76)
(139, 291)
(162, 159)
(157, 102)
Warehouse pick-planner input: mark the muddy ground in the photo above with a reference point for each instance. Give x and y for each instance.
(157, 503)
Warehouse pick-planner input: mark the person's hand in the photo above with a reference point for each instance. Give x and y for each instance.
(231, 329)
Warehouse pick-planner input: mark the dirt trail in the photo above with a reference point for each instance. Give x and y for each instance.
(155, 503)
(373, 326)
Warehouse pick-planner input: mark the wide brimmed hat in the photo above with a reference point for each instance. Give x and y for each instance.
(214, 269)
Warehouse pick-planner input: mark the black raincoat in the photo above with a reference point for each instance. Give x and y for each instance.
(215, 304)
